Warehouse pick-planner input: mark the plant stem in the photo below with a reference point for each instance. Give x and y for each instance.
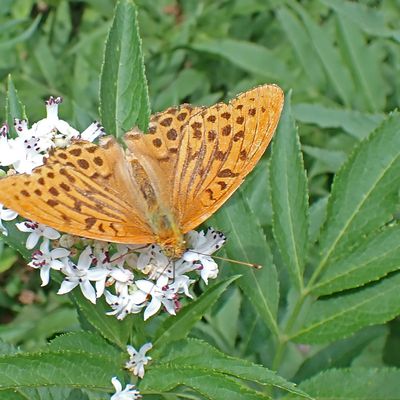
(284, 337)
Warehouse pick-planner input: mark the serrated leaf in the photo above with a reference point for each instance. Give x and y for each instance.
(190, 353)
(364, 193)
(87, 341)
(377, 255)
(14, 107)
(108, 326)
(124, 99)
(253, 58)
(208, 383)
(330, 58)
(289, 197)
(353, 122)
(50, 394)
(178, 327)
(340, 316)
(68, 369)
(355, 383)
(247, 242)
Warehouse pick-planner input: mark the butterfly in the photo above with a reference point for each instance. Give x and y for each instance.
(159, 185)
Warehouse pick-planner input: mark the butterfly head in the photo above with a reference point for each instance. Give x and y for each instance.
(173, 247)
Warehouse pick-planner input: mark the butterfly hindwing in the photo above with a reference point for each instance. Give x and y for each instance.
(83, 190)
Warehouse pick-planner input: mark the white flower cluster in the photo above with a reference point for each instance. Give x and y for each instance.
(138, 278)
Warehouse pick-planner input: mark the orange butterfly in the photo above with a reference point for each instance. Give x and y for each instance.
(163, 185)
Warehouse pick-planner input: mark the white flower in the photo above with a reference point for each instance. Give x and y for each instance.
(154, 263)
(126, 254)
(202, 246)
(138, 359)
(161, 294)
(125, 303)
(6, 215)
(36, 232)
(27, 152)
(46, 260)
(81, 274)
(129, 393)
(52, 125)
(92, 132)
(7, 153)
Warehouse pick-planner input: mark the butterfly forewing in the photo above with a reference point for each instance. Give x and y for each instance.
(211, 167)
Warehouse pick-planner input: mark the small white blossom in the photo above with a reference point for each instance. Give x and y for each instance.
(36, 231)
(161, 294)
(129, 393)
(81, 274)
(126, 254)
(47, 260)
(138, 359)
(6, 215)
(154, 263)
(7, 154)
(92, 132)
(202, 246)
(52, 124)
(125, 303)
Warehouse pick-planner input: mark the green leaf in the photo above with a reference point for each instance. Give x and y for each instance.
(89, 342)
(355, 383)
(50, 394)
(16, 239)
(183, 85)
(377, 255)
(339, 354)
(317, 218)
(68, 369)
(47, 62)
(191, 354)
(250, 57)
(289, 197)
(365, 65)
(7, 258)
(341, 316)
(353, 122)
(247, 242)
(364, 193)
(329, 56)
(108, 326)
(178, 327)
(330, 159)
(6, 44)
(370, 19)
(124, 99)
(14, 107)
(300, 41)
(208, 383)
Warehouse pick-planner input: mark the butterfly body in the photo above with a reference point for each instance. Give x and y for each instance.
(164, 184)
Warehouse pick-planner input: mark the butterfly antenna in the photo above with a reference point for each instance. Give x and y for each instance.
(251, 265)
